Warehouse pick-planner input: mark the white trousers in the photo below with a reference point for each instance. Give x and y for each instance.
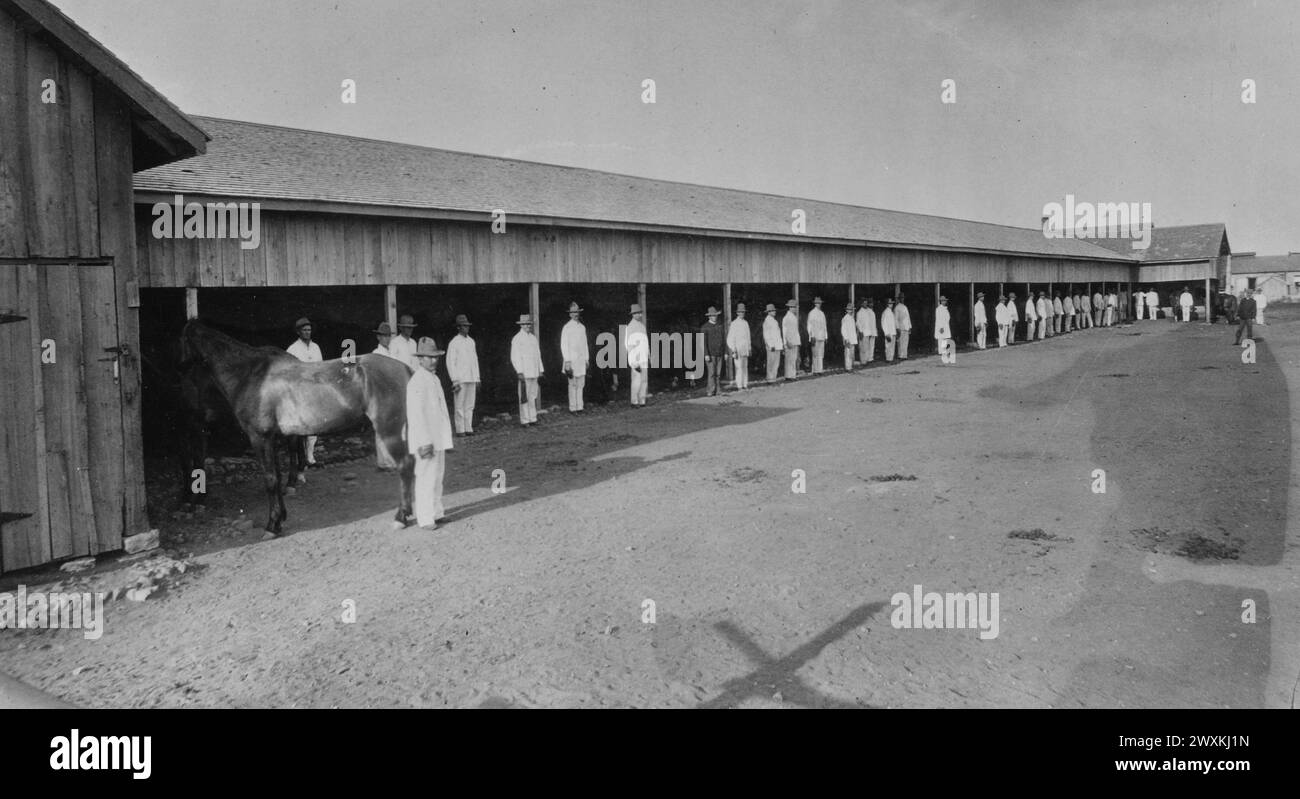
(528, 408)
(428, 488)
(638, 385)
(464, 402)
(981, 336)
(742, 371)
(903, 336)
(575, 391)
(818, 355)
(1002, 335)
(791, 362)
(1187, 314)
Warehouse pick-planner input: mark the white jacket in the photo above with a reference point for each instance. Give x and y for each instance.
(772, 334)
(849, 329)
(638, 345)
(941, 327)
(981, 314)
(403, 349)
(309, 353)
(573, 347)
(525, 355)
(1001, 314)
(817, 325)
(790, 328)
(462, 360)
(738, 338)
(867, 322)
(902, 317)
(427, 421)
(887, 325)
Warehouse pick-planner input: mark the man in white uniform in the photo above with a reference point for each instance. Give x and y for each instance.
(943, 333)
(817, 334)
(1098, 305)
(576, 355)
(1085, 311)
(1013, 318)
(773, 341)
(1031, 317)
(1261, 302)
(462, 368)
(526, 358)
(637, 344)
(980, 316)
(849, 332)
(1044, 310)
(1185, 303)
(385, 335)
(738, 347)
(1003, 318)
(306, 350)
(428, 434)
(403, 347)
(791, 339)
(903, 323)
(1139, 302)
(889, 329)
(866, 332)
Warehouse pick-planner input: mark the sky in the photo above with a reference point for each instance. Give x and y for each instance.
(1132, 101)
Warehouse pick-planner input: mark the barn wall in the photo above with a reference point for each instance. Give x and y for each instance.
(304, 249)
(68, 246)
(1191, 272)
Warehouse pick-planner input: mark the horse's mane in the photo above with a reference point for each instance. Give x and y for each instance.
(228, 347)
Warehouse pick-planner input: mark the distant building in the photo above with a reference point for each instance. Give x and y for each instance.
(1277, 275)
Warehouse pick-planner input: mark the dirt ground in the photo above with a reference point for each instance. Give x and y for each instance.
(973, 477)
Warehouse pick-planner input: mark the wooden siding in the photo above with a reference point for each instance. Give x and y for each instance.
(304, 249)
(1194, 272)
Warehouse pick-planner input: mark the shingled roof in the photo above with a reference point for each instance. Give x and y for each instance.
(270, 163)
(1256, 264)
(1177, 243)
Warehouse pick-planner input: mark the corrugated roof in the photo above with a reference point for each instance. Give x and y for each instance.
(1176, 243)
(256, 161)
(1256, 264)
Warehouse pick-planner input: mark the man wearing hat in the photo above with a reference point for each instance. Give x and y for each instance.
(1031, 319)
(1003, 318)
(403, 346)
(866, 332)
(526, 358)
(773, 341)
(1085, 311)
(306, 350)
(738, 345)
(903, 321)
(428, 433)
(462, 368)
(385, 335)
(715, 349)
(792, 339)
(576, 355)
(1043, 308)
(1013, 318)
(817, 335)
(849, 332)
(637, 344)
(981, 319)
(889, 329)
(943, 332)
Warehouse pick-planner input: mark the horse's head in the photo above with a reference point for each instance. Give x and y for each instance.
(190, 354)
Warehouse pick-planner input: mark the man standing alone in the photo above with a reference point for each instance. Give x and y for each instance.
(715, 349)
(462, 368)
(903, 321)
(1185, 303)
(866, 332)
(981, 319)
(638, 355)
(1246, 317)
(773, 341)
(943, 333)
(738, 343)
(526, 358)
(817, 334)
(575, 355)
(849, 332)
(428, 434)
(306, 350)
(790, 334)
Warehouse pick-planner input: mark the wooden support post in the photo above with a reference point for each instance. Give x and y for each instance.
(191, 303)
(1208, 316)
(726, 327)
(390, 305)
(970, 331)
(640, 299)
(535, 308)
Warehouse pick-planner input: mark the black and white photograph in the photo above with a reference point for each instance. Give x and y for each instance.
(569, 354)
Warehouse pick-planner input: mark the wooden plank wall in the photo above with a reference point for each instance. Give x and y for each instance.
(303, 249)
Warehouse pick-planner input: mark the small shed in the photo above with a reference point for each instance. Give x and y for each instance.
(75, 124)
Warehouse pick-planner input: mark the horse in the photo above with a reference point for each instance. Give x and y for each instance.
(190, 404)
(274, 395)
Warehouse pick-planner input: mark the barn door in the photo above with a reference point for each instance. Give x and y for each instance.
(61, 471)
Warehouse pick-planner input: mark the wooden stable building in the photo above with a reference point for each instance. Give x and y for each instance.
(75, 123)
(411, 229)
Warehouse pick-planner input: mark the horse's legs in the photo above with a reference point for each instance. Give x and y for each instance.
(296, 446)
(266, 449)
(406, 471)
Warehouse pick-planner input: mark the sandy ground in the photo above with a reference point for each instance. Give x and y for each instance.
(973, 477)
